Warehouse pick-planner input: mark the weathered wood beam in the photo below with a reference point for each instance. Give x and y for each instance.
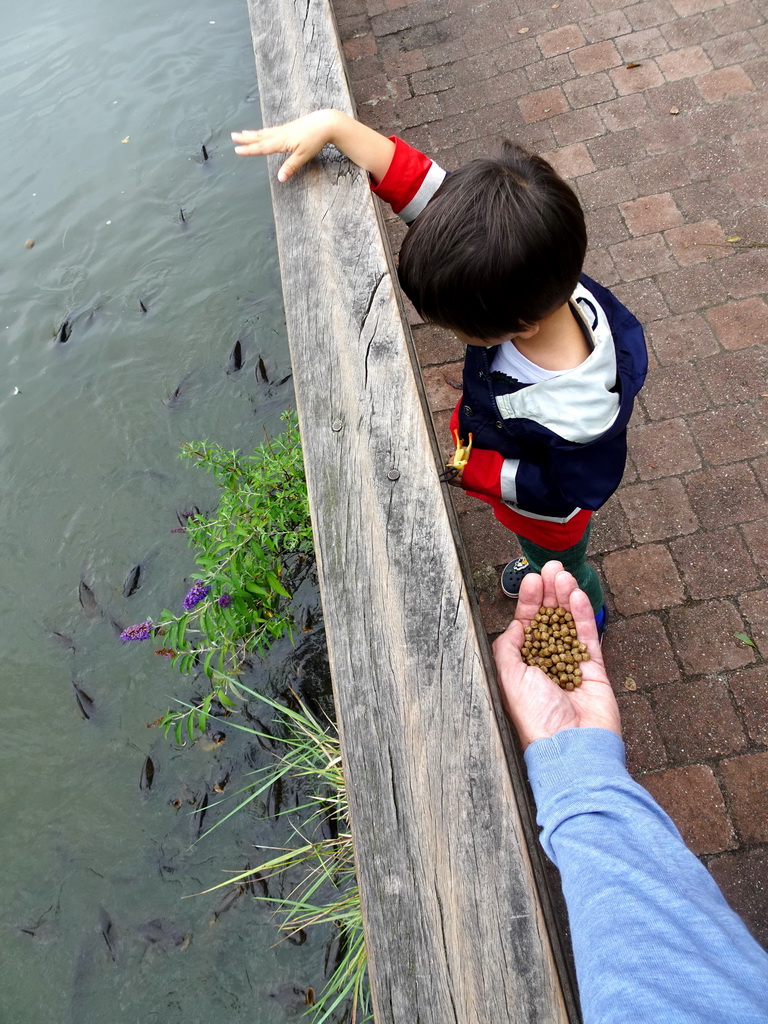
(454, 925)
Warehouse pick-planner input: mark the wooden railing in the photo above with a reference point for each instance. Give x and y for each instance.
(457, 920)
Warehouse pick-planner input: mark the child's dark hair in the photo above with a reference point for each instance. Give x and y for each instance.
(498, 247)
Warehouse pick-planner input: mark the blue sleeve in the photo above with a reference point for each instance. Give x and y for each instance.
(653, 938)
(576, 476)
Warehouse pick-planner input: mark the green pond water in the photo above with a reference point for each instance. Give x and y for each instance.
(105, 109)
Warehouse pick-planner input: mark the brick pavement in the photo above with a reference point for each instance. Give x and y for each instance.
(656, 111)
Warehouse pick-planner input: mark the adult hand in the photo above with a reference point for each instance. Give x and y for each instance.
(537, 706)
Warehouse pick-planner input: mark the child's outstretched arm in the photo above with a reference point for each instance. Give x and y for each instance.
(306, 136)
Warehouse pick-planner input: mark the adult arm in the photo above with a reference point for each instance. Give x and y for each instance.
(654, 941)
(653, 938)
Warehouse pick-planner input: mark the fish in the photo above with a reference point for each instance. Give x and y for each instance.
(83, 313)
(204, 151)
(261, 371)
(109, 932)
(227, 903)
(182, 218)
(275, 797)
(220, 784)
(84, 702)
(187, 513)
(62, 639)
(88, 601)
(284, 380)
(147, 775)
(40, 929)
(165, 936)
(236, 358)
(297, 938)
(142, 307)
(253, 880)
(63, 333)
(179, 391)
(132, 581)
(290, 998)
(200, 813)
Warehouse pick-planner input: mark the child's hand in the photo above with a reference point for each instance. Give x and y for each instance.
(302, 138)
(306, 136)
(537, 706)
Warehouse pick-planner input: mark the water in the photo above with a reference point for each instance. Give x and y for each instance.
(104, 109)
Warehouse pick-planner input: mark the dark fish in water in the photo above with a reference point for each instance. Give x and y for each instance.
(166, 936)
(335, 952)
(84, 314)
(284, 380)
(204, 151)
(39, 927)
(88, 601)
(108, 931)
(309, 996)
(62, 639)
(147, 775)
(142, 307)
(291, 999)
(63, 333)
(187, 513)
(202, 807)
(236, 358)
(261, 371)
(132, 581)
(227, 903)
(275, 797)
(297, 938)
(178, 392)
(84, 702)
(252, 881)
(220, 785)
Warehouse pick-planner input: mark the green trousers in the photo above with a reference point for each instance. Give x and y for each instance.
(574, 559)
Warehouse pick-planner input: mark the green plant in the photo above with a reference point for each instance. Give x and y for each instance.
(328, 891)
(251, 553)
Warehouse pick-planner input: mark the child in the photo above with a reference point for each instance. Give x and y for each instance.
(553, 360)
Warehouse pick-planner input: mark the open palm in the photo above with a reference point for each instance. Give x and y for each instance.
(537, 706)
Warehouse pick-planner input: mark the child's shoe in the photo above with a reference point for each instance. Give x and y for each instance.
(513, 576)
(601, 621)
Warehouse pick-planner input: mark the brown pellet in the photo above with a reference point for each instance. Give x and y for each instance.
(551, 643)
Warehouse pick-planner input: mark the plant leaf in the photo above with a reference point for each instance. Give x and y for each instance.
(745, 639)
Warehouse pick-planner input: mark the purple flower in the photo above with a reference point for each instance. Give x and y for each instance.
(225, 601)
(198, 593)
(141, 631)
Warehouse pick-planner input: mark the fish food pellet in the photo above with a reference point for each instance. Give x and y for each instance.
(551, 644)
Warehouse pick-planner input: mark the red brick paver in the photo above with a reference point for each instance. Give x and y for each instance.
(656, 112)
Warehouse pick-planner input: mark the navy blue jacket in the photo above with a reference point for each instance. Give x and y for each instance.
(563, 440)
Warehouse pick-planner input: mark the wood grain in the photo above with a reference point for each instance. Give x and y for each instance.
(454, 926)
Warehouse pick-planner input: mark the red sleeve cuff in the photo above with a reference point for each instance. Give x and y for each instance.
(483, 472)
(404, 176)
